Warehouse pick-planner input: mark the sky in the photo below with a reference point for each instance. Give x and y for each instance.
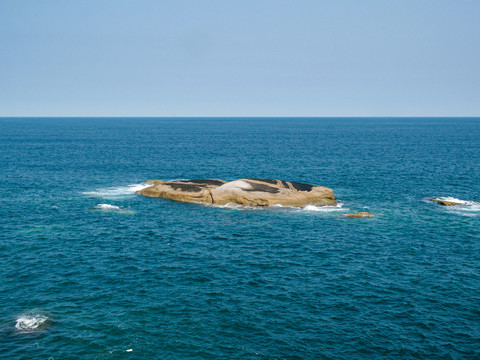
(240, 58)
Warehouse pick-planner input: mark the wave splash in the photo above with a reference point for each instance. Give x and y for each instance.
(27, 323)
(116, 192)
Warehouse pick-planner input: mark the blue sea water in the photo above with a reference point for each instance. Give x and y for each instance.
(90, 270)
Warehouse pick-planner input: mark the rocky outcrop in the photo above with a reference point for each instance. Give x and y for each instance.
(359, 214)
(248, 192)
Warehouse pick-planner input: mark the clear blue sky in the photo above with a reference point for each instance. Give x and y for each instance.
(240, 58)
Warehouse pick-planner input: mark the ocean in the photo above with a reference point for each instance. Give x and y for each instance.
(91, 270)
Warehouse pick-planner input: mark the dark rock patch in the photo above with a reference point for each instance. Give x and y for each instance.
(185, 187)
(268, 181)
(301, 187)
(205, 182)
(262, 187)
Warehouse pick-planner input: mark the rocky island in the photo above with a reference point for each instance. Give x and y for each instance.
(247, 192)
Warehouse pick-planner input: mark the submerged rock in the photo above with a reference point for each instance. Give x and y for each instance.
(360, 214)
(248, 192)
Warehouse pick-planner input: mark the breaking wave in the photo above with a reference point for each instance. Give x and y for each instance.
(116, 192)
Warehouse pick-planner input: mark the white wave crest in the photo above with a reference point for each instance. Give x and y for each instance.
(31, 322)
(116, 192)
(107, 207)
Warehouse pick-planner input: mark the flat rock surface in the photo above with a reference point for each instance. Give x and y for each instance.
(248, 192)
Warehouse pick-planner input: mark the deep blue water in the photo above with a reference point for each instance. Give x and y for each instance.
(102, 270)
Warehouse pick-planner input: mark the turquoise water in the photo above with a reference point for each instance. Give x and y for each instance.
(90, 270)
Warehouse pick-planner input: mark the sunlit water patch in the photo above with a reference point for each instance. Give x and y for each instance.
(37, 229)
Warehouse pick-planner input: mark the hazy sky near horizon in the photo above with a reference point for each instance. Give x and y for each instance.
(240, 58)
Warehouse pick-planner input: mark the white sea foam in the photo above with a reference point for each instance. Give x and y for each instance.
(233, 206)
(338, 207)
(31, 322)
(116, 192)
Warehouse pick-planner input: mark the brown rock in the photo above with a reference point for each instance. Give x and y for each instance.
(360, 214)
(249, 192)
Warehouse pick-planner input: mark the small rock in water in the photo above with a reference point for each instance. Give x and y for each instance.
(446, 202)
(360, 214)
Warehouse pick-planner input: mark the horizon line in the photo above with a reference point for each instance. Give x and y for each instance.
(238, 117)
